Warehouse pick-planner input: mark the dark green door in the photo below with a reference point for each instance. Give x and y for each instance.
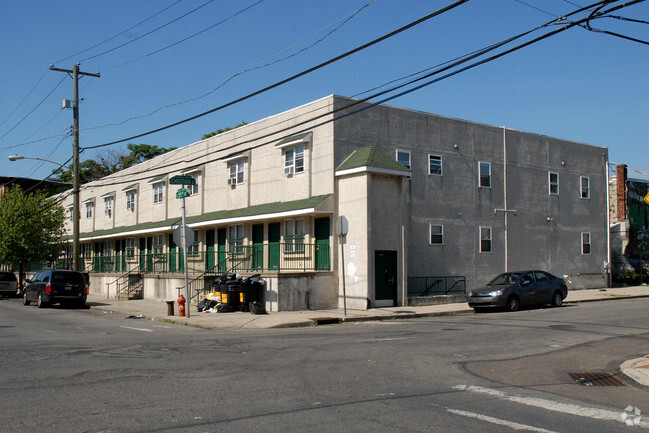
(322, 231)
(257, 246)
(274, 236)
(210, 256)
(173, 264)
(385, 278)
(221, 236)
(149, 254)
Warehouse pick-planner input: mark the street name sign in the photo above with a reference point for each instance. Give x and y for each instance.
(181, 193)
(182, 180)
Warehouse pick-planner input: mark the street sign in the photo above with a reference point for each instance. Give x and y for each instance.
(182, 193)
(646, 198)
(182, 180)
(177, 236)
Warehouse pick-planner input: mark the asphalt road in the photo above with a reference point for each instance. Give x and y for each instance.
(66, 370)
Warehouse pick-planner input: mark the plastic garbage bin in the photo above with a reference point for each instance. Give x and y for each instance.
(170, 308)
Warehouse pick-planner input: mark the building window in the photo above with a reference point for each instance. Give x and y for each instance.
(130, 201)
(585, 243)
(108, 207)
(71, 214)
(192, 250)
(485, 174)
(294, 160)
(485, 239)
(108, 248)
(193, 189)
(86, 251)
(158, 246)
(403, 157)
(236, 172)
(130, 248)
(235, 239)
(553, 183)
(585, 187)
(294, 236)
(90, 207)
(435, 165)
(158, 192)
(436, 234)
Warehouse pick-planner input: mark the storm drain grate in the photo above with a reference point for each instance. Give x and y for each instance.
(596, 378)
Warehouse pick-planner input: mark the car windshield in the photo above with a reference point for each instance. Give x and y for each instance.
(505, 279)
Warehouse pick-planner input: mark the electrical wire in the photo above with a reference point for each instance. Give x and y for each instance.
(475, 64)
(293, 77)
(120, 33)
(33, 109)
(148, 33)
(259, 65)
(24, 99)
(188, 37)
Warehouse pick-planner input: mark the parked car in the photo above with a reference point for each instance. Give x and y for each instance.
(53, 286)
(8, 284)
(510, 290)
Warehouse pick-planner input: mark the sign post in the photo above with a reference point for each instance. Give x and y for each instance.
(342, 227)
(182, 193)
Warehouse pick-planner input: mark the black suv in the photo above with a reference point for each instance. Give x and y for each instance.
(53, 286)
(8, 284)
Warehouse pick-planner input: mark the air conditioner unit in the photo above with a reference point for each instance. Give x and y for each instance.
(288, 171)
(232, 181)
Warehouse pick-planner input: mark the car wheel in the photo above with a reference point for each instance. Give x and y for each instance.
(40, 302)
(512, 303)
(25, 300)
(557, 299)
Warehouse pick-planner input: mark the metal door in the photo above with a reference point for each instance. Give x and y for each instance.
(385, 278)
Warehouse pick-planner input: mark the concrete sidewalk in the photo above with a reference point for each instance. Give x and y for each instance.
(637, 369)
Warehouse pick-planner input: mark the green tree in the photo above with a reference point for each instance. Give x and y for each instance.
(110, 162)
(31, 228)
(221, 131)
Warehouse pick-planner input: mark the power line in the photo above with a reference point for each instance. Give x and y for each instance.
(188, 37)
(120, 33)
(148, 33)
(293, 77)
(24, 99)
(259, 65)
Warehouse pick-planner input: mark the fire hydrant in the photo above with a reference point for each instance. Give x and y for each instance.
(181, 306)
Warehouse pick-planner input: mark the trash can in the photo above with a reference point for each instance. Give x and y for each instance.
(252, 290)
(233, 289)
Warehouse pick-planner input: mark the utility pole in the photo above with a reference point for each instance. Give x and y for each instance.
(75, 161)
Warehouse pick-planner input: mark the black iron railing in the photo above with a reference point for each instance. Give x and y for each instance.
(435, 286)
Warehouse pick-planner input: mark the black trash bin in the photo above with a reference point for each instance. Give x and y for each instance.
(252, 291)
(233, 289)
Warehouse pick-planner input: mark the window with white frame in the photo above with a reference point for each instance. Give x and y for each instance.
(90, 207)
(192, 250)
(553, 183)
(435, 165)
(403, 157)
(584, 182)
(294, 236)
(108, 206)
(71, 213)
(485, 239)
(294, 160)
(108, 248)
(193, 189)
(158, 192)
(235, 239)
(130, 200)
(130, 248)
(158, 246)
(485, 174)
(436, 234)
(237, 176)
(585, 243)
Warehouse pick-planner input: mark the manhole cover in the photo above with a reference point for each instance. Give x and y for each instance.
(596, 378)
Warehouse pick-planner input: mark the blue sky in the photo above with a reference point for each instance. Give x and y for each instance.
(578, 85)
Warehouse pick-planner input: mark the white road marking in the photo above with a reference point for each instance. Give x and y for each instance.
(502, 422)
(570, 409)
(137, 329)
(384, 339)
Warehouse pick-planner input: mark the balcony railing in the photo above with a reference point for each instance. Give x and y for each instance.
(271, 257)
(434, 286)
